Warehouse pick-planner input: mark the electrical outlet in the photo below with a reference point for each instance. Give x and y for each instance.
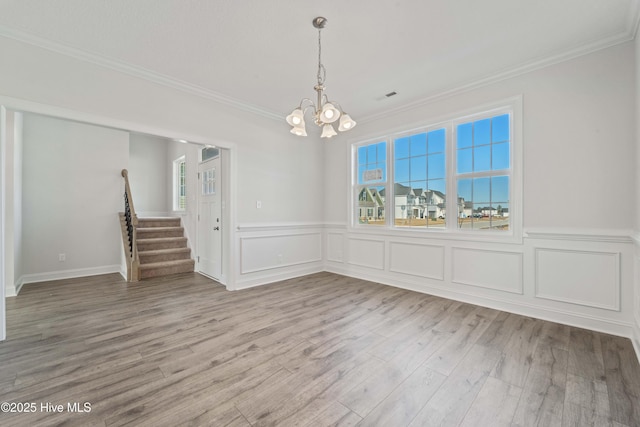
(258, 204)
(62, 257)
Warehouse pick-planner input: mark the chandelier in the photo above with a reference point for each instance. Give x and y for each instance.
(325, 112)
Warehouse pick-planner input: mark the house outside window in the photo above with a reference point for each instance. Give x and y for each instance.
(462, 176)
(179, 184)
(420, 179)
(371, 184)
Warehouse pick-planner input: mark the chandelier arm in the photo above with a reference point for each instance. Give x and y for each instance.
(338, 106)
(305, 108)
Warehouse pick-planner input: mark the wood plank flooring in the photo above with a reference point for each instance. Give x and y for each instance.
(321, 350)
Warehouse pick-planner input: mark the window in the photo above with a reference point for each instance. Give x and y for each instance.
(483, 172)
(371, 183)
(420, 179)
(179, 184)
(209, 182)
(460, 176)
(210, 153)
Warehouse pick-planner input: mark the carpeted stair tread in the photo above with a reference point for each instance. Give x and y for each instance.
(164, 251)
(147, 229)
(159, 255)
(161, 239)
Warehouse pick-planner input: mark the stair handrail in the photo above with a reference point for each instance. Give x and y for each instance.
(131, 221)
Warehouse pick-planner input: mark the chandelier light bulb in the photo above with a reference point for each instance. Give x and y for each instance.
(329, 113)
(328, 131)
(296, 117)
(346, 123)
(299, 130)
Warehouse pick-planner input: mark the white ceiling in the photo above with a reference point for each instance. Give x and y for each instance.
(262, 55)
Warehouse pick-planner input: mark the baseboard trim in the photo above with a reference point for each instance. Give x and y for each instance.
(635, 336)
(66, 274)
(579, 320)
(14, 290)
(246, 283)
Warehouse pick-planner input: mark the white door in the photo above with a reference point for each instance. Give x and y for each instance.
(210, 219)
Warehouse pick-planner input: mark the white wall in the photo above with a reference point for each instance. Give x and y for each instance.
(72, 193)
(267, 163)
(575, 263)
(272, 165)
(17, 197)
(148, 174)
(12, 133)
(578, 141)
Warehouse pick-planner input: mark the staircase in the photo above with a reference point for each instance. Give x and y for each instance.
(152, 246)
(162, 248)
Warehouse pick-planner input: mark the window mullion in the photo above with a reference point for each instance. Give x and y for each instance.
(389, 204)
(450, 173)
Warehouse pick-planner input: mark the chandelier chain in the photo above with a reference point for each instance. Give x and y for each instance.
(322, 72)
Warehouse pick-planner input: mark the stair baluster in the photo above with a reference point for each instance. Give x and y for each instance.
(131, 224)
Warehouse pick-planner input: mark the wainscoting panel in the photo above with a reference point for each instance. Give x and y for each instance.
(366, 253)
(258, 253)
(335, 247)
(417, 260)
(579, 277)
(497, 270)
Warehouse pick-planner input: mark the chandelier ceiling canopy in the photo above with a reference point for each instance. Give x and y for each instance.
(325, 112)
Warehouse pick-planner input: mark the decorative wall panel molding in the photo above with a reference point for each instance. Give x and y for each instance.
(259, 253)
(587, 278)
(417, 260)
(499, 270)
(335, 247)
(271, 227)
(606, 236)
(366, 253)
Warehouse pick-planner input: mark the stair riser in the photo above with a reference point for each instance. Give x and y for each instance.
(147, 259)
(164, 271)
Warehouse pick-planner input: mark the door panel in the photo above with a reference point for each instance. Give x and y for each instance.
(210, 219)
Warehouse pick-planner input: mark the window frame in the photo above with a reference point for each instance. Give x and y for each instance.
(416, 131)
(178, 185)
(356, 187)
(512, 106)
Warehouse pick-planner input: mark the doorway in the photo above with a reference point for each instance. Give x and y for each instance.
(210, 224)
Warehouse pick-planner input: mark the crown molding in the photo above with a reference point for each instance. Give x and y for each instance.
(629, 34)
(633, 19)
(135, 71)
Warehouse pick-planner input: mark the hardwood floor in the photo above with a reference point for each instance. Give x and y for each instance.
(322, 350)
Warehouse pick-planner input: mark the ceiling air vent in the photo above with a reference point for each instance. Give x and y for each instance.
(390, 94)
